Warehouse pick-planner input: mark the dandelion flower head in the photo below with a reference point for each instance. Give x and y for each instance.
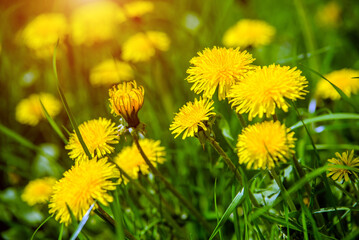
(138, 8)
(43, 32)
(96, 22)
(329, 15)
(249, 33)
(142, 46)
(29, 110)
(266, 88)
(131, 161)
(345, 79)
(80, 186)
(38, 190)
(192, 117)
(98, 135)
(263, 144)
(126, 99)
(218, 68)
(344, 159)
(110, 72)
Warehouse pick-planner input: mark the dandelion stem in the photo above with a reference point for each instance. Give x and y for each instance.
(170, 187)
(104, 215)
(283, 190)
(230, 164)
(242, 120)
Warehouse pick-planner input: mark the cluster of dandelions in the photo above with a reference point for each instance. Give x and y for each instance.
(250, 89)
(93, 174)
(257, 91)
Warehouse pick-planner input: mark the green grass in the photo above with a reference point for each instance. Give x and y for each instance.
(145, 208)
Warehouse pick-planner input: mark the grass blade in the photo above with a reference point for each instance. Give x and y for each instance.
(341, 93)
(117, 214)
(53, 124)
(327, 117)
(61, 232)
(237, 200)
(66, 106)
(82, 223)
(37, 229)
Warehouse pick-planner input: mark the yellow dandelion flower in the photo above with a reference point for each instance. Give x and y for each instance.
(249, 33)
(218, 67)
(38, 191)
(142, 46)
(131, 161)
(263, 144)
(110, 72)
(29, 110)
(345, 159)
(84, 183)
(126, 99)
(329, 15)
(98, 135)
(96, 22)
(266, 88)
(43, 32)
(345, 79)
(138, 8)
(192, 117)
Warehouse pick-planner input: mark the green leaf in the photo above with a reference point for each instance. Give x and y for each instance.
(327, 117)
(282, 221)
(53, 124)
(61, 231)
(237, 200)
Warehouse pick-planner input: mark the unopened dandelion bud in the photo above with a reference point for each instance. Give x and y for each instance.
(126, 99)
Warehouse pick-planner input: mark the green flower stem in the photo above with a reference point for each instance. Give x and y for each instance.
(165, 214)
(242, 120)
(283, 190)
(170, 187)
(230, 164)
(104, 215)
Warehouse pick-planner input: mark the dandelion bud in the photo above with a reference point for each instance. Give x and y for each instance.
(126, 99)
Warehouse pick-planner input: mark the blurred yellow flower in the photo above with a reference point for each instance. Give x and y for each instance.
(38, 191)
(29, 110)
(263, 144)
(96, 22)
(43, 32)
(126, 99)
(267, 88)
(131, 161)
(345, 79)
(192, 117)
(84, 183)
(218, 67)
(347, 160)
(249, 33)
(98, 135)
(110, 72)
(329, 15)
(142, 46)
(138, 8)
